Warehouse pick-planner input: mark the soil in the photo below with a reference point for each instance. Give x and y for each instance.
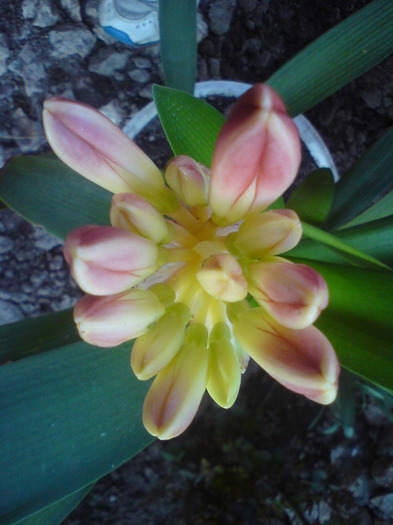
(274, 458)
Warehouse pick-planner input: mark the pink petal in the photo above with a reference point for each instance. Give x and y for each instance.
(257, 155)
(106, 260)
(93, 146)
(293, 294)
(112, 320)
(302, 360)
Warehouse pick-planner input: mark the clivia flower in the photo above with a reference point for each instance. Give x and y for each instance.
(177, 266)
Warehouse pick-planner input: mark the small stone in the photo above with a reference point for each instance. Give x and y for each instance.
(320, 512)
(29, 67)
(56, 263)
(140, 75)
(385, 443)
(44, 240)
(383, 505)
(9, 313)
(29, 8)
(91, 9)
(142, 63)
(372, 99)
(69, 40)
(47, 14)
(375, 415)
(359, 486)
(28, 133)
(6, 244)
(107, 61)
(113, 111)
(4, 54)
(73, 9)
(215, 68)
(220, 15)
(147, 92)
(103, 35)
(3, 156)
(248, 5)
(382, 472)
(202, 28)
(9, 221)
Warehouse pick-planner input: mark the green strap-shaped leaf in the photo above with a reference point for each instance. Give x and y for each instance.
(359, 319)
(68, 417)
(191, 125)
(374, 238)
(46, 192)
(364, 184)
(381, 209)
(312, 199)
(359, 350)
(353, 255)
(57, 512)
(336, 58)
(178, 40)
(33, 336)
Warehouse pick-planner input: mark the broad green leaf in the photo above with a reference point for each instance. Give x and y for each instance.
(344, 249)
(46, 192)
(359, 319)
(374, 238)
(379, 210)
(191, 125)
(57, 512)
(68, 417)
(364, 184)
(312, 199)
(364, 295)
(364, 352)
(178, 41)
(336, 58)
(33, 336)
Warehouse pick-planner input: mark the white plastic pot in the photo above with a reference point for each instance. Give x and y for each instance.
(227, 88)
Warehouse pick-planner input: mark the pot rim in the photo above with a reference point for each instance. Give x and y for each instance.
(229, 88)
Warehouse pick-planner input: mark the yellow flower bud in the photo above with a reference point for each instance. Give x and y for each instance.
(221, 276)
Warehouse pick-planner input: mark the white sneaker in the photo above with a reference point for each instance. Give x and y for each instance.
(135, 22)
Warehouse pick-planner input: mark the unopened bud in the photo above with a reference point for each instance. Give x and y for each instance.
(135, 214)
(293, 294)
(221, 276)
(189, 179)
(112, 320)
(269, 233)
(106, 260)
(256, 157)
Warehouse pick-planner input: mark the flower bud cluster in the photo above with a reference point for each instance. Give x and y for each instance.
(177, 265)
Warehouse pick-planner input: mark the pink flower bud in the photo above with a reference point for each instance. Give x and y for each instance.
(112, 320)
(269, 233)
(88, 142)
(221, 276)
(189, 179)
(135, 214)
(175, 395)
(106, 260)
(257, 155)
(302, 360)
(293, 294)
